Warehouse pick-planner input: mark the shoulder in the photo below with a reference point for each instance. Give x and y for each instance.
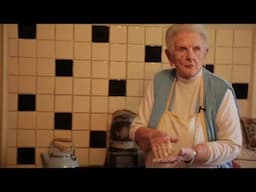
(215, 79)
(166, 73)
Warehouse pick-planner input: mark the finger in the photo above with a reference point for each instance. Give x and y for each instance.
(174, 140)
(155, 152)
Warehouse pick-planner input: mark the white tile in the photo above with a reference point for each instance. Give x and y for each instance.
(100, 51)
(64, 31)
(136, 34)
(135, 88)
(82, 68)
(210, 56)
(223, 55)
(80, 121)
(100, 69)
(45, 49)
(27, 48)
(117, 70)
(135, 70)
(224, 71)
(242, 56)
(97, 157)
(12, 47)
(81, 104)
(211, 37)
(44, 138)
(116, 103)
(12, 102)
(118, 52)
(154, 35)
(243, 107)
(12, 84)
(63, 85)
(82, 86)
(82, 156)
(100, 87)
(63, 103)
(82, 50)
(11, 156)
(27, 120)
(12, 120)
(27, 84)
(151, 69)
(224, 38)
(45, 84)
(45, 31)
(99, 104)
(243, 38)
(98, 122)
(63, 134)
(241, 74)
(80, 138)
(136, 53)
(45, 67)
(12, 30)
(64, 49)
(45, 102)
(27, 66)
(83, 32)
(133, 103)
(45, 120)
(12, 65)
(11, 137)
(26, 138)
(118, 34)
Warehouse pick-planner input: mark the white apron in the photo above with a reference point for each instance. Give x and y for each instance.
(190, 130)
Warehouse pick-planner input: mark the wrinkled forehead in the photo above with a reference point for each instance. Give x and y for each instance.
(188, 39)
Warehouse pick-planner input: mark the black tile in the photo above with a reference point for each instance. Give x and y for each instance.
(117, 88)
(26, 102)
(98, 139)
(153, 53)
(241, 90)
(210, 67)
(63, 121)
(25, 155)
(100, 34)
(27, 31)
(64, 67)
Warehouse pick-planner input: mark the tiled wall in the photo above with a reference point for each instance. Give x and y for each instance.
(66, 80)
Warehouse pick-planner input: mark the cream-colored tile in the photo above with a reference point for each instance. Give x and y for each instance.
(243, 107)
(154, 35)
(63, 85)
(118, 34)
(27, 84)
(27, 48)
(117, 70)
(224, 71)
(224, 37)
(45, 67)
(97, 157)
(136, 53)
(12, 102)
(64, 31)
(82, 50)
(136, 34)
(135, 70)
(82, 86)
(82, 68)
(45, 31)
(12, 84)
(11, 137)
(81, 104)
(100, 87)
(45, 120)
(45, 102)
(63, 103)
(98, 122)
(100, 69)
(44, 138)
(116, 103)
(100, 51)
(45, 84)
(151, 69)
(12, 65)
(45, 49)
(210, 56)
(146, 85)
(242, 56)
(99, 104)
(241, 74)
(211, 37)
(80, 138)
(134, 88)
(27, 66)
(12, 47)
(26, 138)
(223, 55)
(12, 120)
(27, 120)
(132, 103)
(118, 52)
(12, 30)
(80, 121)
(11, 156)
(83, 32)
(243, 38)
(63, 134)
(82, 156)
(64, 49)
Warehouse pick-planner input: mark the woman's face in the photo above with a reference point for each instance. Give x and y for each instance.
(189, 54)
